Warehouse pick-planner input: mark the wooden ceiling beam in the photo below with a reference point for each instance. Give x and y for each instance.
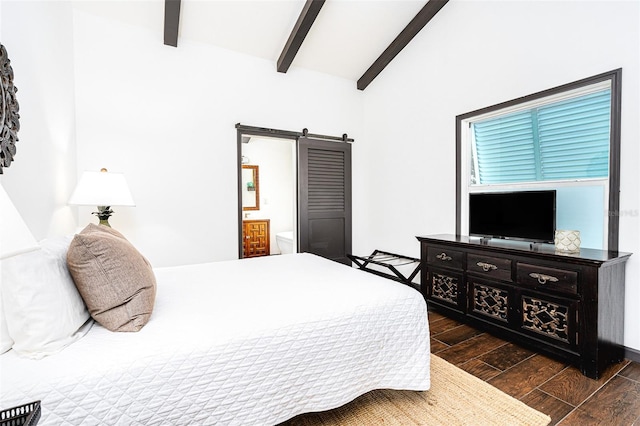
(308, 15)
(171, 22)
(410, 31)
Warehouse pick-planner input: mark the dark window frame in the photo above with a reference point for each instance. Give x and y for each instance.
(615, 77)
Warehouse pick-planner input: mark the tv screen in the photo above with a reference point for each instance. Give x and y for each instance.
(520, 215)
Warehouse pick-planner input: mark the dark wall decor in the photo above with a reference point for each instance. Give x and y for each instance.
(10, 118)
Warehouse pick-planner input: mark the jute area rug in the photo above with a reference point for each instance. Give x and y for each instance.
(455, 398)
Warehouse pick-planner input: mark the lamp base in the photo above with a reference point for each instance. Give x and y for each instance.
(103, 214)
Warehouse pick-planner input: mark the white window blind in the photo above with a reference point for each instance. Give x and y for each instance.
(564, 140)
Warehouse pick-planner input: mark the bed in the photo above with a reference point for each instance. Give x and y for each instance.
(247, 342)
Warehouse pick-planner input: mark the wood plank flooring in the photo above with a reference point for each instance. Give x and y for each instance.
(548, 385)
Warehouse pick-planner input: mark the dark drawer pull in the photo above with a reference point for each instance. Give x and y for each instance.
(444, 257)
(542, 278)
(487, 266)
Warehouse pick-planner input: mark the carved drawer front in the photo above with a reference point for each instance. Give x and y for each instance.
(493, 267)
(553, 319)
(445, 287)
(443, 257)
(542, 277)
(490, 301)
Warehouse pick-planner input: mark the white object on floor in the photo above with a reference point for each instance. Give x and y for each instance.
(285, 242)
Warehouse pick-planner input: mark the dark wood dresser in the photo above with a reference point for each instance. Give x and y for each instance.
(568, 305)
(256, 238)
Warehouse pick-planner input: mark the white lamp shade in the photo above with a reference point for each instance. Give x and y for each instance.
(15, 237)
(102, 189)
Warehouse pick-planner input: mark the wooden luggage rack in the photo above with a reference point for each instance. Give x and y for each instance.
(391, 262)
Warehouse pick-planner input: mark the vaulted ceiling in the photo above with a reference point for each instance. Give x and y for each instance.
(344, 38)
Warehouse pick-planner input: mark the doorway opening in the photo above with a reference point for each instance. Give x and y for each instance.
(294, 193)
(268, 197)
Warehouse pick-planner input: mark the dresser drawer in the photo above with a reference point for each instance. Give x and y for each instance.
(443, 257)
(493, 267)
(544, 277)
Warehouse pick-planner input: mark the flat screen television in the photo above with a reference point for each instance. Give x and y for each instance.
(518, 215)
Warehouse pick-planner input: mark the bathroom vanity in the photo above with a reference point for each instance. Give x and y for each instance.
(255, 238)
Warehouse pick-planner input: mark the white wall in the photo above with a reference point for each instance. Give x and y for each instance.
(165, 117)
(475, 54)
(38, 38)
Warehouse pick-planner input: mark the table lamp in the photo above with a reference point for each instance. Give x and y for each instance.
(15, 237)
(102, 189)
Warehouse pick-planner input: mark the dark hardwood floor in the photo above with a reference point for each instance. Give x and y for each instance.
(543, 383)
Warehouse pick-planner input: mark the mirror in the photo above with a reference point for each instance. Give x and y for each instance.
(250, 188)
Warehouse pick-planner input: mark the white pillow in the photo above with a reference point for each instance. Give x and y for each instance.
(6, 342)
(43, 308)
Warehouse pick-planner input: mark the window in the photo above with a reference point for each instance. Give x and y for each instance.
(566, 138)
(561, 140)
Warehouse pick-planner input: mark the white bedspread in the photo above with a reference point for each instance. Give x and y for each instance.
(254, 341)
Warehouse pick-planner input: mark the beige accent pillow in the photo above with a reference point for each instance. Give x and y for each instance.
(115, 281)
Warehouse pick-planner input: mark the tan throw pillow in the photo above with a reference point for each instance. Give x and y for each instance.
(116, 282)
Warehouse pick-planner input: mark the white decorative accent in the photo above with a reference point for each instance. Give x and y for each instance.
(15, 236)
(567, 241)
(285, 242)
(102, 189)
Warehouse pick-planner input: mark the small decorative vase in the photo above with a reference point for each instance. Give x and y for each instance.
(567, 241)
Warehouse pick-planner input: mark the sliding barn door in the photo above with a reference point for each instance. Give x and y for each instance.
(324, 198)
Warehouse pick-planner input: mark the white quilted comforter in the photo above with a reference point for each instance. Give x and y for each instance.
(254, 341)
